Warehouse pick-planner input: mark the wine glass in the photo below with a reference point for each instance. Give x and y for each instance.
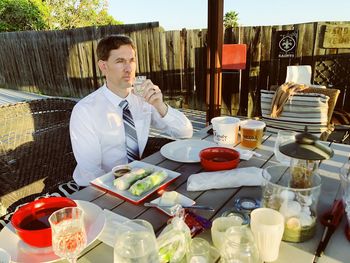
(282, 137)
(68, 232)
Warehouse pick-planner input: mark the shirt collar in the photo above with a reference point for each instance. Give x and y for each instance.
(114, 98)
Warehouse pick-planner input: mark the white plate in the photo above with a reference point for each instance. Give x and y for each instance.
(185, 151)
(21, 252)
(105, 182)
(183, 200)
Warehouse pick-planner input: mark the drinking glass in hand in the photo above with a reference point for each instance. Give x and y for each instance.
(283, 136)
(138, 89)
(68, 232)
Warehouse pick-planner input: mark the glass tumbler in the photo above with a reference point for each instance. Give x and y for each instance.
(138, 89)
(239, 246)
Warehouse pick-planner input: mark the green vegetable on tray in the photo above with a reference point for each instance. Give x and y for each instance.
(146, 184)
(124, 182)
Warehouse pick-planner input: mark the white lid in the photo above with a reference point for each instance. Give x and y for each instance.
(253, 124)
(225, 120)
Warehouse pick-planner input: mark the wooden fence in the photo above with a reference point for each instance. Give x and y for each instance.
(63, 63)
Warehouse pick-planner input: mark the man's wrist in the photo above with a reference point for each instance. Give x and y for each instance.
(163, 110)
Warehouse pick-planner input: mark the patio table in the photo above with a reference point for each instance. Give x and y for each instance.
(336, 251)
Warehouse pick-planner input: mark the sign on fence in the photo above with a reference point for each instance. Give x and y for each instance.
(286, 43)
(337, 36)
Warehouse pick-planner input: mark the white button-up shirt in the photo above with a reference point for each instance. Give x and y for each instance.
(98, 136)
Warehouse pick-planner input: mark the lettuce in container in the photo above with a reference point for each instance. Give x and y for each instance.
(175, 239)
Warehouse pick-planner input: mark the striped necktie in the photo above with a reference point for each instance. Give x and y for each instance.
(132, 146)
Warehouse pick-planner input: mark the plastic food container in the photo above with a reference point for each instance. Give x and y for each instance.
(251, 133)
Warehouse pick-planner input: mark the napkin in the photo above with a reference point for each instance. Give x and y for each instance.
(113, 221)
(248, 176)
(245, 154)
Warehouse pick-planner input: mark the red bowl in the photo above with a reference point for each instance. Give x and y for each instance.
(219, 158)
(31, 220)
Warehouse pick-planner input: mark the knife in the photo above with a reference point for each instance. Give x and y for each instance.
(203, 207)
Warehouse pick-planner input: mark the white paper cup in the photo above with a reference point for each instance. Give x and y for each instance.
(267, 226)
(4, 256)
(219, 227)
(225, 130)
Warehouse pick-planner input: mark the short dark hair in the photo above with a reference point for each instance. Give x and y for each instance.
(106, 44)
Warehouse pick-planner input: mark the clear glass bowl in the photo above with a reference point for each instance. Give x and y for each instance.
(298, 206)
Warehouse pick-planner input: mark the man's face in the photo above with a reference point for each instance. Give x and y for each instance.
(120, 68)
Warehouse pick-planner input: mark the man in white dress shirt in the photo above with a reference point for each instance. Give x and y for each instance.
(96, 126)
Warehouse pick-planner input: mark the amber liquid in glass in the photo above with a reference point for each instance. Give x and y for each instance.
(251, 138)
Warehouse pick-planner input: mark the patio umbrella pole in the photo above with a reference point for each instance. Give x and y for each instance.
(214, 54)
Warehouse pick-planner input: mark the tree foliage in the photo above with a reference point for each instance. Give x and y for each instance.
(231, 19)
(65, 14)
(16, 15)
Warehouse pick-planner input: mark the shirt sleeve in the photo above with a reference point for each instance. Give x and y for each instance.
(86, 146)
(174, 123)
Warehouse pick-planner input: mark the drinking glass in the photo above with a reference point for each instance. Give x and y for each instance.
(138, 89)
(199, 251)
(135, 242)
(239, 246)
(282, 137)
(68, 232)
(219, 227)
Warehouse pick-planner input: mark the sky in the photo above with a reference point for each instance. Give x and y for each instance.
(192, 14)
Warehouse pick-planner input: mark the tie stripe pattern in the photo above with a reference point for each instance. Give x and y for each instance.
(132, 147)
